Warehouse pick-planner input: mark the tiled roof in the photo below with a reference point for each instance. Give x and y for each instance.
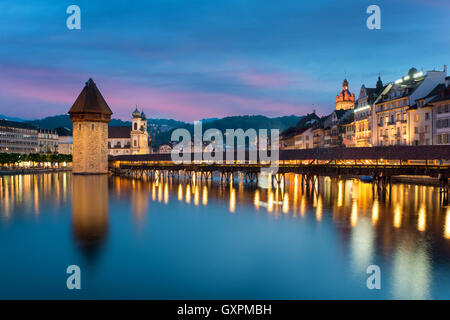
(90, 100)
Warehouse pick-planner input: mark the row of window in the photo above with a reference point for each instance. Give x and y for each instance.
(391, 105)
(18, 142)
(443, 109)
(443, 123)
(443, 138)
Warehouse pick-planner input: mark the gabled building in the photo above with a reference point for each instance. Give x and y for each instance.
(363, 114)
(398, 118)
(294, 138)
(439, 106)
(333, 127)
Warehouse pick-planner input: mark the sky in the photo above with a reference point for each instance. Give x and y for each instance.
(195, 59)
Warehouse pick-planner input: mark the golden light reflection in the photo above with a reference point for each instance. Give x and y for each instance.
(319, 209)
(285, 207)
(269, 201)
(354, 215)
(196, 195)
(397, 216)
(422, 222)
(256, 199)
(205, 196)
(375, 212)
(447, 224)
(232, 200)
(160, 193)
(153, 191)
(188, 193)
(180, 192)
(302, 206)
(340, 199)
(166, 193)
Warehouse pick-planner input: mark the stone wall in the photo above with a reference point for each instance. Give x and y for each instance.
(90, 147)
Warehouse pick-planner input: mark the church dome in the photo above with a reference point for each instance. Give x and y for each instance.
(143, 115)
(136, 113)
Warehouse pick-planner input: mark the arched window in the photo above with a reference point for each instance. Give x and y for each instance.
(135, 126)
(135, 143)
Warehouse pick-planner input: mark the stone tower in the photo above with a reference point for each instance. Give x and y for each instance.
(139, 134)
(90, 115)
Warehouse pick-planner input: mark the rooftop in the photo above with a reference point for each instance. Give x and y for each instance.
(117, 132)
(90, 100)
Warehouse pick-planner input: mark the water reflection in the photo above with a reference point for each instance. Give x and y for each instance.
(90, 210)
(405, 230)
(27, 193)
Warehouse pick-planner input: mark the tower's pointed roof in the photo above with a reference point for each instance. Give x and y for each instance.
(90, 100)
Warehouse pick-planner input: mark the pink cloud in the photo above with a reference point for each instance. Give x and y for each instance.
(61, 87)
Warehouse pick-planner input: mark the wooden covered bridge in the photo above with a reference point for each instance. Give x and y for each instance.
(381, 163)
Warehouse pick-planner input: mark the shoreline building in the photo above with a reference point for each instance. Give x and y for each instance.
(65, 140)
(397, 118)
(130, 140)
(363, 114)
(90, 115)
(18, 137)
(48, 141)
(439, 104)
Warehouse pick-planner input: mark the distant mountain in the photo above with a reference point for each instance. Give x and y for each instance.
(11, 118)
(52, 122)
(63, 120)
(209, 120)
(236, 122)
(160, 130)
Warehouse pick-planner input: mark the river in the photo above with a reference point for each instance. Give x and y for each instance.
(179, 240)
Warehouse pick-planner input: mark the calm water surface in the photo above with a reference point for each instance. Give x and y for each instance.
(170, 240)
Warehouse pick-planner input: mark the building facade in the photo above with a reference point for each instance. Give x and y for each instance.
(48, 141)
(65, 140)
(399, 120)
(363, 114)
(18, 137)
(440, 110)
(130, 140)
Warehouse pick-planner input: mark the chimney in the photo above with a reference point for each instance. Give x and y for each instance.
(445, 69)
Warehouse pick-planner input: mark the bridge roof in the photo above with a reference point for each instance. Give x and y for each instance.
(364, 153)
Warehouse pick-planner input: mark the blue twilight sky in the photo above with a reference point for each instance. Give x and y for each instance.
(193, 59)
